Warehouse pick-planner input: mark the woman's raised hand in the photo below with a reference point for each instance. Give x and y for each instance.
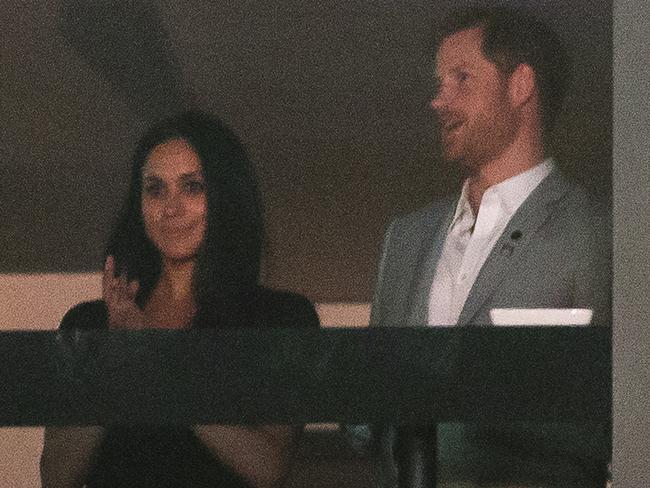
(119, 295)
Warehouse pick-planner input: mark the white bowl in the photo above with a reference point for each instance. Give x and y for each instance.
(541, 316)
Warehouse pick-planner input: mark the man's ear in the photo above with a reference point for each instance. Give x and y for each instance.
(521, 85)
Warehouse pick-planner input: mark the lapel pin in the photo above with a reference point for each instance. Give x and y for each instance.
(516, 235)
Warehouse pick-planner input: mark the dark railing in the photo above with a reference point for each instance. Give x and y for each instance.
(415, 377)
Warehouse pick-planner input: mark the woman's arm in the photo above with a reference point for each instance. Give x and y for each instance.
(68, 455)
(69, 451)
(261, 455)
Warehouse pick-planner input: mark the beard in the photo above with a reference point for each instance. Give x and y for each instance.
(479, 141)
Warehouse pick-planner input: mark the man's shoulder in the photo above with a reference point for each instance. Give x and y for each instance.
(582, 207)
(424, 217)
(85, 316)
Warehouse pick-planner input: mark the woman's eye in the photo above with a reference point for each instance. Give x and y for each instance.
(462, 76)
(195, 187)
(152, 189)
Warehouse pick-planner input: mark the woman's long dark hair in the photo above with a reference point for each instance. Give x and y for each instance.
(228, 265)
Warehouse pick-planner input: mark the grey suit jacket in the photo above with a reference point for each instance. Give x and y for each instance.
(555, 253)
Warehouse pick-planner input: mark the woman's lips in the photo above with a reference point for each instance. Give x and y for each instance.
(176, 230)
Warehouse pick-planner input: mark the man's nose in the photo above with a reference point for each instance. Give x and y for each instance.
(445, 93)
(439, 101)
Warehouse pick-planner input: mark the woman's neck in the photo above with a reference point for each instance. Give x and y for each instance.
(176, 280)
(172, 304)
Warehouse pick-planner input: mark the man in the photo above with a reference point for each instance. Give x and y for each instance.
(519, 235)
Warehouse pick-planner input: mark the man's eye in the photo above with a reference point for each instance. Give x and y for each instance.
(462, 76)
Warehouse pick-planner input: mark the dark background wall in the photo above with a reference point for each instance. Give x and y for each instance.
(330, 97)
(343, 84)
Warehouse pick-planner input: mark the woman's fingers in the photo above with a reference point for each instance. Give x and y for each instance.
(132, 289)
(117, 287)
(108, 276)
(119, 294)
(120, 287)
(112, 286)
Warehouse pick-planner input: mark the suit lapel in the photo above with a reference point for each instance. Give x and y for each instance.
(431, 246)
(514, 240)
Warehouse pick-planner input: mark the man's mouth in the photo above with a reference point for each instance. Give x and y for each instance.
(449, 128)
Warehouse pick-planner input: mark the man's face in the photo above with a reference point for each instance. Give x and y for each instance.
(477, 121)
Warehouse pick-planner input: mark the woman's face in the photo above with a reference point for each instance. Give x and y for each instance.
(174, 204)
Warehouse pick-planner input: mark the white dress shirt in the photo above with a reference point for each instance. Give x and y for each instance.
(470, 240)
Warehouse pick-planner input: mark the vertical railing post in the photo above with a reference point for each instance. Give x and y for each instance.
(417, 456)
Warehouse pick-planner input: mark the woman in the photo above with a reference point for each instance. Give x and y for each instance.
(185, 254)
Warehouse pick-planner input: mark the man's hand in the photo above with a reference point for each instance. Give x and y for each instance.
(119, 295)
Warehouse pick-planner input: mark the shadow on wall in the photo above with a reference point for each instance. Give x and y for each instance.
(127, 44)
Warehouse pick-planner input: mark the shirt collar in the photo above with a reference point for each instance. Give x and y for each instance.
(511, 193)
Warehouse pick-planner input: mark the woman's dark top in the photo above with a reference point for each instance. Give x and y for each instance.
(172, 456)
